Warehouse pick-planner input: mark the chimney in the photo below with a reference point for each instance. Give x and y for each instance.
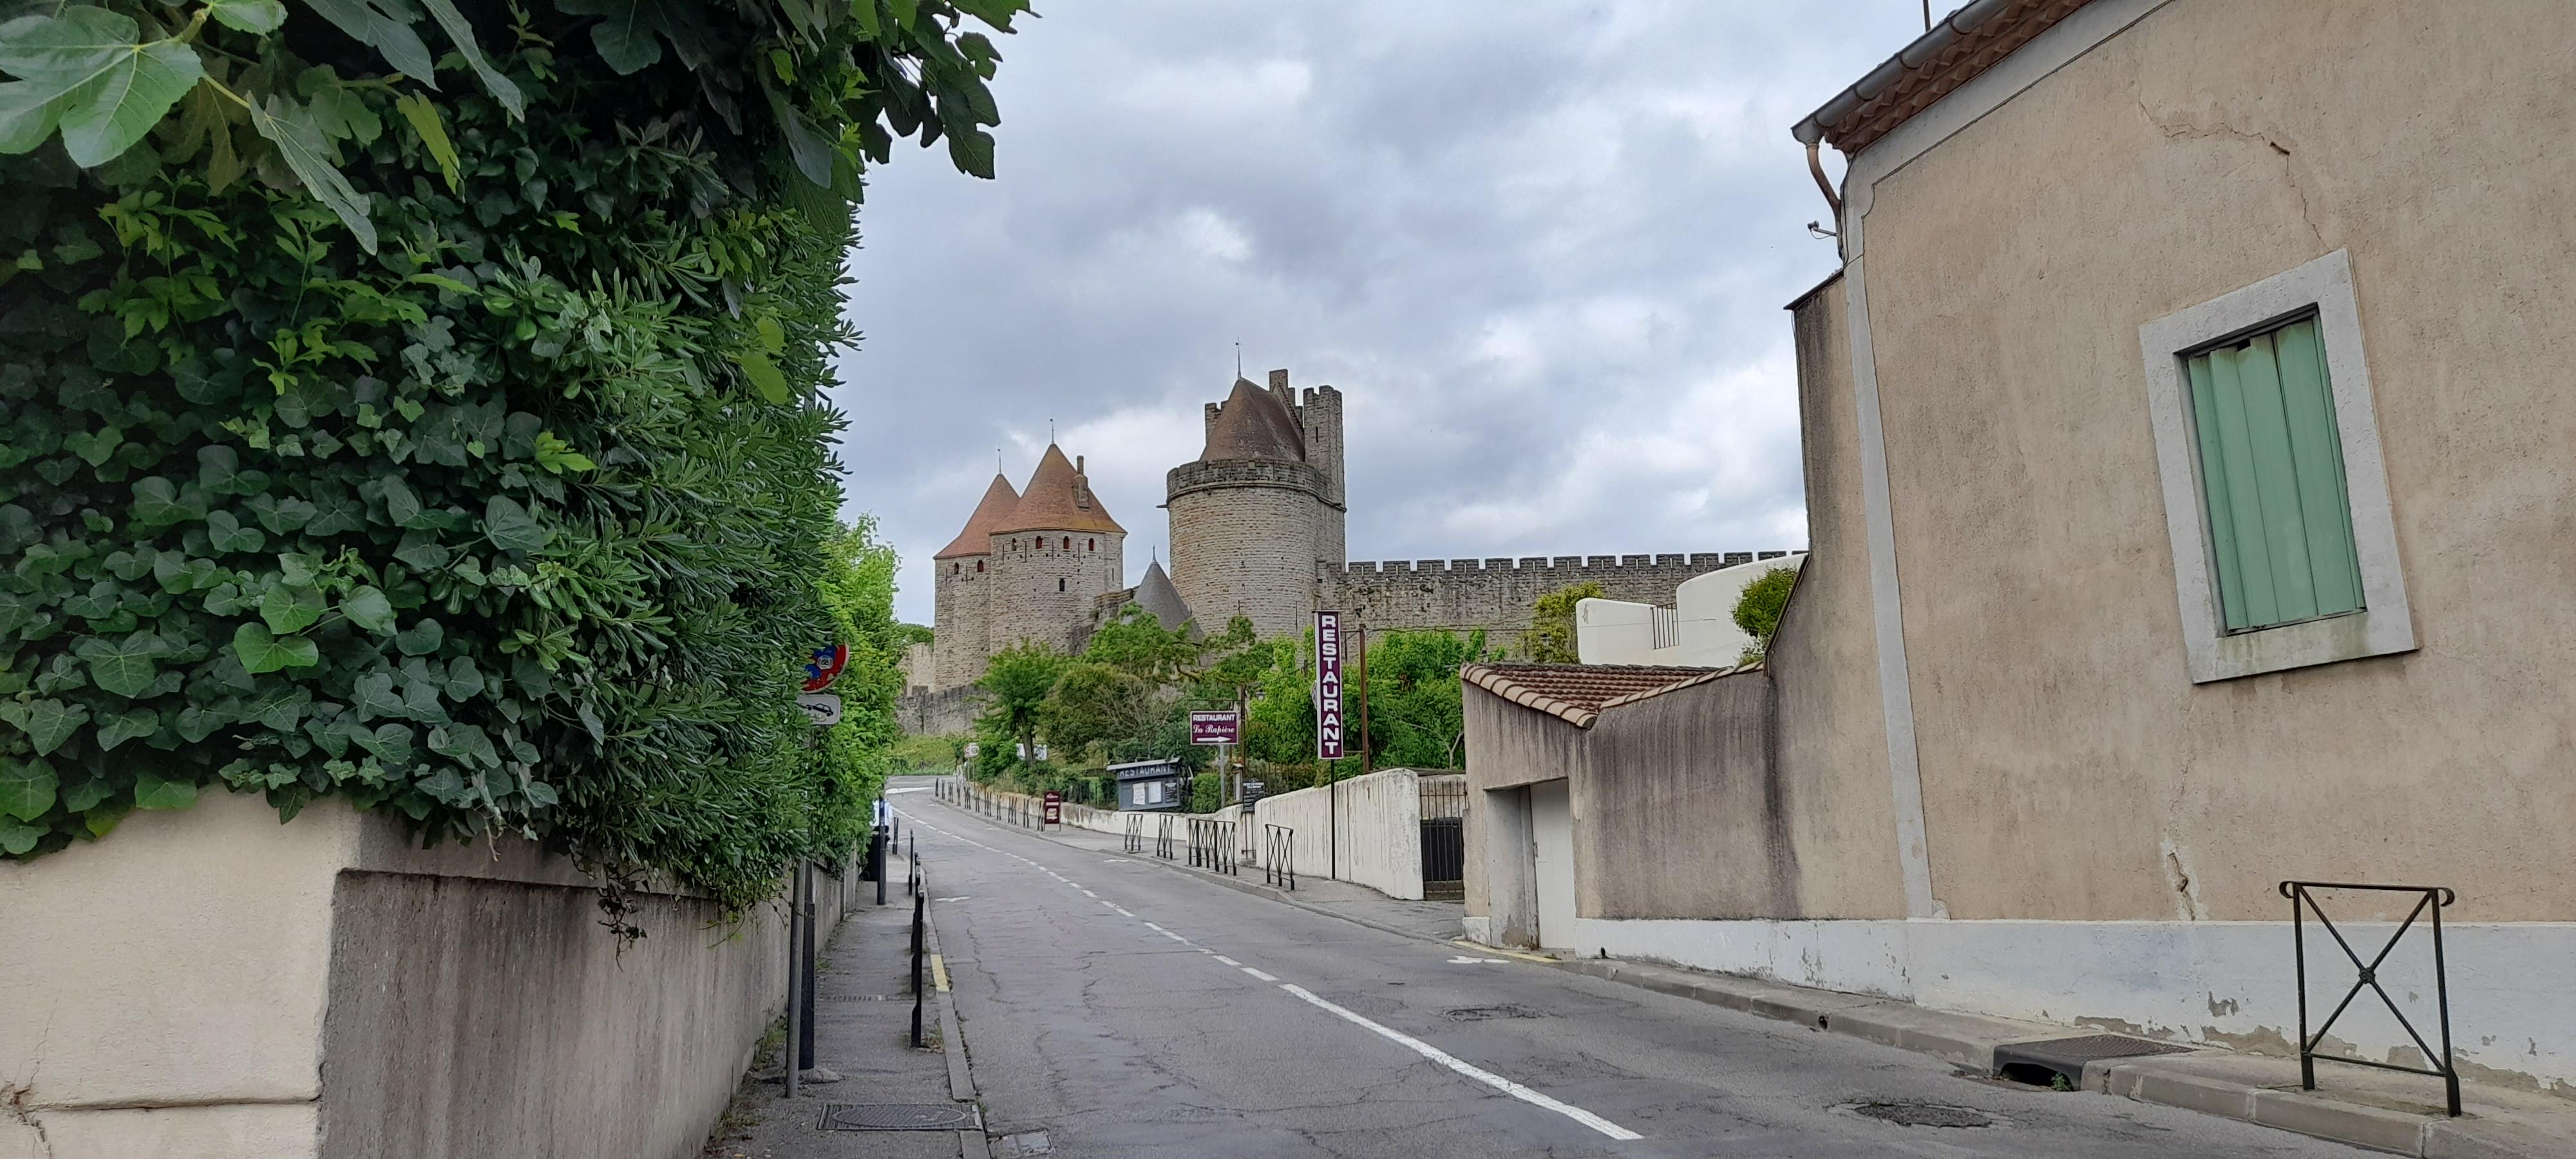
(1077, 464)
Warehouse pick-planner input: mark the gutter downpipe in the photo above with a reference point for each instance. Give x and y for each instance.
(1816, 166)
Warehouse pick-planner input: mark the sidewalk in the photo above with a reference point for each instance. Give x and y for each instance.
(2395, 1113)
(863, 1032)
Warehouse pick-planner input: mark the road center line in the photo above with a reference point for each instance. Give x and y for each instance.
(1461, 1066)
(1260, 975)
(1227, 960)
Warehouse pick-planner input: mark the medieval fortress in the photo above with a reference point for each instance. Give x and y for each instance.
(1256, 531)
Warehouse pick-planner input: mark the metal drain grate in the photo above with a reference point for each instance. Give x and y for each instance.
(1487, 1013)
(1923, 1115)
(854, 997)
(900, 1117)
(2066, 1056)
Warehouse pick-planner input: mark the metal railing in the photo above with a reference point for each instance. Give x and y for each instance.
(1135, 833)
(920, 946)
(2432, 898)
(1212, 845)
(1163, 837)
(1279, 855)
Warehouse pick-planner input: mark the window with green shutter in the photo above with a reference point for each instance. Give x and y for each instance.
(2272, 480)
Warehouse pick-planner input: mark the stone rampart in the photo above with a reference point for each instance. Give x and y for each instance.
(1499, 595)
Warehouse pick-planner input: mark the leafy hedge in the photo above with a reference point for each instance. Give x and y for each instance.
(442, 432)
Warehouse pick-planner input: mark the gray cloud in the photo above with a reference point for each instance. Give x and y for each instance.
(1540, 246)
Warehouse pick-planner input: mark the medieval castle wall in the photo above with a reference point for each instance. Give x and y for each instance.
(1245, 538)
(960, 603)
(1045, 582)
(1498, 595)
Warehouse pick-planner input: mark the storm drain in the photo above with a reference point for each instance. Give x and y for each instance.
(854, 998)
(1922, 1115)
(900, 1117)
(2050, 1058)
(1489, 1013)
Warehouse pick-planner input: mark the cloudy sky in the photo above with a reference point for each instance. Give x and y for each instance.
(1542, 247)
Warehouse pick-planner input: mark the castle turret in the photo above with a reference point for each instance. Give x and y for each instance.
(962, 578)
(1053, 556)
(1260, 508)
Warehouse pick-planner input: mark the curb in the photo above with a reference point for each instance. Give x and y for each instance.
(1970, 1040)
(952, 1044)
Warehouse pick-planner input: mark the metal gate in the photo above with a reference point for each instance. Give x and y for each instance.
(1444, 837)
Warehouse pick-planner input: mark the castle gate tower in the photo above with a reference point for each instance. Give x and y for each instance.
(1053, 556)
(1261, 506)
(961, 575)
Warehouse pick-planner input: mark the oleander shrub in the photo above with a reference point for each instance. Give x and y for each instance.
(442, 429)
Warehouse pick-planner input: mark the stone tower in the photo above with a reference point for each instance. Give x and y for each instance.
(963, 578)
(1053, 556)
(1261, 506)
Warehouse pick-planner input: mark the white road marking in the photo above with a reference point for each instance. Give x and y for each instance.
(1464, 960)
(1088, 893)
(1259, 974)
(1122, 912)
(1463, 1067)
(1227, 960)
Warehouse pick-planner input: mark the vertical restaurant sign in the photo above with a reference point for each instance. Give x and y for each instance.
(1328, 685)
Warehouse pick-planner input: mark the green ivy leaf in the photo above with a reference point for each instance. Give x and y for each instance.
(420, 639)
(401, 506)
(156, 503)
(290, 608)
(465, 744)
(85, 73)
(16, 839)
(764, 376)
(307, 153)
(511, 528)
(279, 707)
(368, 608)
(375, 696)
(26, 789)
(117, 728)
(256, 16)
(125, 667)
(226, 533)
(95, 447)
(261, 651)
(47, 723)
(390, 742)
(151, 792)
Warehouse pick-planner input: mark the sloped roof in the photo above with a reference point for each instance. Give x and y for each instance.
(1254, 424)
(977, 538)
(1156, 595)
(1949, 54)
(1058, 498)
(1577, 693)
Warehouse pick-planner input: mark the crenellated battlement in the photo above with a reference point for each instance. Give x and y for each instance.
(1694, 562)
(1497, 594)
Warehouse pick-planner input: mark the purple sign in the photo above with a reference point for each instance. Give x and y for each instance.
(1328, 685)
(1215, 726)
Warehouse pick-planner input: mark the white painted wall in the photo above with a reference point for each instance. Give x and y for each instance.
(1380, 827)
(1620, 632)
(1551, 806)
(2219, 983)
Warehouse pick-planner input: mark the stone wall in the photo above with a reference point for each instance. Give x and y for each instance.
(1043, 590)
(962, 603)
(1499, 595)
(940, 711)
(1246, 547)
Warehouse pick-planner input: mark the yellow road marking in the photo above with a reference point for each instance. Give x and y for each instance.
(1482, 948)
(938, 974)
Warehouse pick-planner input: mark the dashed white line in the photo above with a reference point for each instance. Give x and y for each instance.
(1259, 974)
(1227, 960)
(1463, 1067)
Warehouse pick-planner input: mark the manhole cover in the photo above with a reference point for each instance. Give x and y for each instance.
(2065, 1057)
(1923, 1115)
(1487, 1013)
(900, 1117)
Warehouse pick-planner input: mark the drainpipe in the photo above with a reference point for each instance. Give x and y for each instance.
(1816, 166)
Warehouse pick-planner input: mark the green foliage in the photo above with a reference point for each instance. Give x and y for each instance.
(1019, 677)
(1207, 792)
(927, 754)
(1136, 643)
(1551, 635)
(1758, 610)
(1416, 718)
(1094, 703)
(516, 514)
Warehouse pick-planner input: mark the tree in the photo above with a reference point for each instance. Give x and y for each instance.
(1020, 677)
(857, 589)
(1759, 609)
(1095, 703)
(1417, 717)
(1138, 644)
(1551, 635)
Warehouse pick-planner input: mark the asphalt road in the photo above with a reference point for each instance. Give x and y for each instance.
(1123, 1009)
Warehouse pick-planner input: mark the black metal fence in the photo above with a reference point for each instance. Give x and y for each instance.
(1279, 855)
(1212, 845)
(920, 944)
(1135, 833)
(1444, 796)
(1444, 858)
(2429, 899)
(1163, 843)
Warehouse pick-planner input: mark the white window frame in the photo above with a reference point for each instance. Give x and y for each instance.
(2384, 625)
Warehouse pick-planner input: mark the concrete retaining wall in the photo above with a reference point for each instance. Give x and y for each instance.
(177, 990)
(1380, 831)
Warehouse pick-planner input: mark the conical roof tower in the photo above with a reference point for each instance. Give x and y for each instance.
(1157, 596)
(1059, 498)
(977, 539)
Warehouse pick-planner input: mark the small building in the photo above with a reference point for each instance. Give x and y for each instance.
(1697, 631)
(1152, 786)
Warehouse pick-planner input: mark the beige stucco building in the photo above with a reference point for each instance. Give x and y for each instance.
(2110, 653)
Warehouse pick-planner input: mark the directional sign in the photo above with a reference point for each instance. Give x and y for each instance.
(823, 708)
(1215, 726)
(826, 667)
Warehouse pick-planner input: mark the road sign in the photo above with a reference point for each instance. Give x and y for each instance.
(1054, 807)
(1328, 686)
(826, 667)
(1215, 726)
(823, 708)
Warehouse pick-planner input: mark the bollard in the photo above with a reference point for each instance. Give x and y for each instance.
(877, 851)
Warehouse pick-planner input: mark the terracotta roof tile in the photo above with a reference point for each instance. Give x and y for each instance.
(1577, 693)
(1254, 424)
(977, 538)
(1950, 54)
(1058, 498)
